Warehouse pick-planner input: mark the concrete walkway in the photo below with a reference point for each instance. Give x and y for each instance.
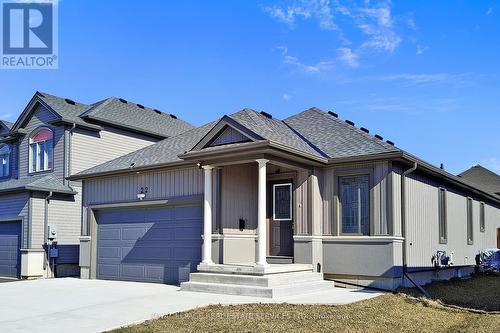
(74, 305)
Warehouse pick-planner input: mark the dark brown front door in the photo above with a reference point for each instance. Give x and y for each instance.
(281, 218)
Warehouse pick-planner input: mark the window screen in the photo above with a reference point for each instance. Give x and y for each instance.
(442, 216)
(470, 232)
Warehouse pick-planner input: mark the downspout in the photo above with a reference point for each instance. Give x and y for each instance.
(45, 229)
(68, 151)
(403, 228)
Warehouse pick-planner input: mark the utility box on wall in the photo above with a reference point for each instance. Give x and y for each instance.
(32, 263)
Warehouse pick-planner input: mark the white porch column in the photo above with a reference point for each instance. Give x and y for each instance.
(207, 216)
(261, 216)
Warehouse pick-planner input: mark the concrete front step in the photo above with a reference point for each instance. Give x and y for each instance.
(256, 291)
(270, 280)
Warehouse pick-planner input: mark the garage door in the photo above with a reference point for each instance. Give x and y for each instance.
(10, 242)
(161, 245)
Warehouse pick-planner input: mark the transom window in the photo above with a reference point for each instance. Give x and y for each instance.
(282, 202)
(4, 161)
(355, 204)
(41, 150)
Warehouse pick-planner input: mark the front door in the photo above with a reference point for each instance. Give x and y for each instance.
(281, 218)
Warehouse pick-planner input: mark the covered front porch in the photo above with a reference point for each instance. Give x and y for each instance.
(252, 211)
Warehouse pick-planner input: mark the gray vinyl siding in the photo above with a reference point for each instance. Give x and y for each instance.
(301, 211)
(239, 196)
(161, 184)
(381, 212)
(423, 224)
(37, 221)
(16, 206)
(42, 117)
(229, 135)
(65, 214)
(89, 149)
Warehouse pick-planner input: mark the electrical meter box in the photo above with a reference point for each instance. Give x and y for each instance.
(52, 232)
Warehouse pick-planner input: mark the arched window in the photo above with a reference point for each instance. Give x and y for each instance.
(4, 161)
(41, 150)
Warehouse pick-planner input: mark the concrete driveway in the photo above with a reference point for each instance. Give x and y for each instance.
(74, 305)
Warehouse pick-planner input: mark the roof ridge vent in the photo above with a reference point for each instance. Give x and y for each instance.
(331, 113)
(69, 101)
(390, 142)
(267, 115)
(366, 130)
(173, 116)
(140, 106)
(349, 122)
(123, 100)
(379, 137)
(157, 111)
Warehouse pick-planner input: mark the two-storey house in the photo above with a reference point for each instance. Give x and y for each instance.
(54, 138)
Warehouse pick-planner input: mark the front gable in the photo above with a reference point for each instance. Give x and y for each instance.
(36, 105)
(226, 131)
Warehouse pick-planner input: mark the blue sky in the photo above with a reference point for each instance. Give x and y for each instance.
(424, 74)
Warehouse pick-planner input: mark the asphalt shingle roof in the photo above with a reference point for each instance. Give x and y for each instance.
(120, 112)
(272, 129)
(334, 137)
(8, 126)
(40, 183)
(115, 112)
(163, 152)
(483, 178)
(313, 131)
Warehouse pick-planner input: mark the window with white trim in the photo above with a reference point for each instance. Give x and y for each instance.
(5, 161)
(470, 222)
(282, 202)
(443, 237)
(482, 218)
(41, 150)
(355, 204)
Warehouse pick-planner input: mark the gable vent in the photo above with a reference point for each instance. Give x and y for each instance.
(349, 122)
(123, 100)
(69, 101)
(173, 116)
(140, 106)
(267, 115)
(331, 113)
(390, 142)
(366, 130)
(157, 111)
(379, 137)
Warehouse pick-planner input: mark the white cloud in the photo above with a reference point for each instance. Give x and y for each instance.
(423, 78)
(348, 57)
(377, 23)
(491, 163)
(421, 49)
(489, 11)
(287, 97)
(305, 9)
(321, 66)
(293, 61)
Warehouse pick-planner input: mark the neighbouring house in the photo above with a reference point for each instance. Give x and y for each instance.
(248, 190)
(482, 177)
(52, 139)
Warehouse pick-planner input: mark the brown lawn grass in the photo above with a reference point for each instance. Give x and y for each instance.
(388, 313)
(480, 292)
